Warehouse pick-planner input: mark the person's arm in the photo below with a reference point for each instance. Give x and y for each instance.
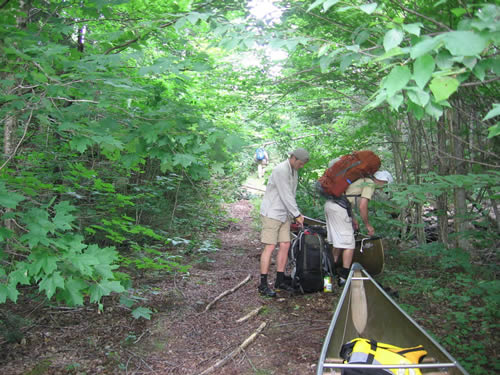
(286, 193)
(363, 212)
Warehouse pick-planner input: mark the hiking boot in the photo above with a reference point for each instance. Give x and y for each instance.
(283, 286)
(265, 291)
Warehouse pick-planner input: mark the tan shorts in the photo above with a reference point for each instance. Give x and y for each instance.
(274, 231)
(339, 226)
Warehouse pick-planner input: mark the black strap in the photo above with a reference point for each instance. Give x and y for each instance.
(371, 356)
(343, 171)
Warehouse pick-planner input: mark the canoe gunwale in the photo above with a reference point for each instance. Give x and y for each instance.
(388, 366)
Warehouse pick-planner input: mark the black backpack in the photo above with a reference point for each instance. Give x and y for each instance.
(310, 260)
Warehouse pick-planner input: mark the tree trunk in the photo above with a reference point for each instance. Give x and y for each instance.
(442, 200)
(416, 152)
(458, 168)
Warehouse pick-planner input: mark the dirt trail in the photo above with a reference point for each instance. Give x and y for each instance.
(183, 338)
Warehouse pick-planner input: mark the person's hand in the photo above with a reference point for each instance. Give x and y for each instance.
(300, 220)
(355, 225)
(370, 229)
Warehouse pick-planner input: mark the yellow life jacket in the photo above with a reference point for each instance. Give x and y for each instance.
(368, 351)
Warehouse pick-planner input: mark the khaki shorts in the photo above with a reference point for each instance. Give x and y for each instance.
(274, 231)
(339, 226)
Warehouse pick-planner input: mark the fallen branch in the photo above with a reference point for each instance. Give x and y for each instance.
(236, 351)
(250, 314)
(227, 292)
(253, 188)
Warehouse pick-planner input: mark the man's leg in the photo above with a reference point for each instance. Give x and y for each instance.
(265, 261)
(335, 254)
(265, 258)
(347, 255)
(282, 257)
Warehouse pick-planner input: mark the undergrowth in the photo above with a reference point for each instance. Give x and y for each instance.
(454, 299)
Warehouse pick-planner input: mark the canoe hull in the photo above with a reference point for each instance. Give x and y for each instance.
(365, 310)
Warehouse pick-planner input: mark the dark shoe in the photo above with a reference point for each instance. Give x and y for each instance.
(287, 280)
(265, 291)
(341, 281)
(283, 286)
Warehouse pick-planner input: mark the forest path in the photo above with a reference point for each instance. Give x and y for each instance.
(183, 336)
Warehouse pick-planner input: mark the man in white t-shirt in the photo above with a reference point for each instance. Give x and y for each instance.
(340, 221)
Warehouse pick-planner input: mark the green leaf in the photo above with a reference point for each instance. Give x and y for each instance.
(184, 160)
(392, 38)
(423, 69)
(434, 110)
(396, 51)
(328, 4)
(8, 291)
(458, 12)
(316, 4)
(425, 46)
(465, 43)
(418, 96)
(417, 110)
(369, 8)
(444, 60)
(63, 219)
(105, 270)
(84, 263)
(395, 101)
(443, 87)
(495, 111)
(104, 288)
(379, 99)
(41, 260)
(51, 283)
(494, 130)
(324, 63)
(5, 233)
(20, 275)
(396, 80)
(142, 312)
(346, 61)
(9, 199)
(127, 301)
(80, 143)
(73, 294)
(413, 28)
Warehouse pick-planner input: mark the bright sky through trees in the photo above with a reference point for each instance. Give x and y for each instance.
(266, 11)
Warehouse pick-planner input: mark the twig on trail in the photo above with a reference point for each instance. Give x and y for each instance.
(227, 292)
(250, 314)
(236, 351)
(253, 188)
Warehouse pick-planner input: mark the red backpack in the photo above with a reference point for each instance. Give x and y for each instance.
(348, 169)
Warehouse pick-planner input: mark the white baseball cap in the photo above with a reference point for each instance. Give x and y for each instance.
(333, 161)
(383, 176)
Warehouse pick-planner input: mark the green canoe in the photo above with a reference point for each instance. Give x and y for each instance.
(366, 310)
